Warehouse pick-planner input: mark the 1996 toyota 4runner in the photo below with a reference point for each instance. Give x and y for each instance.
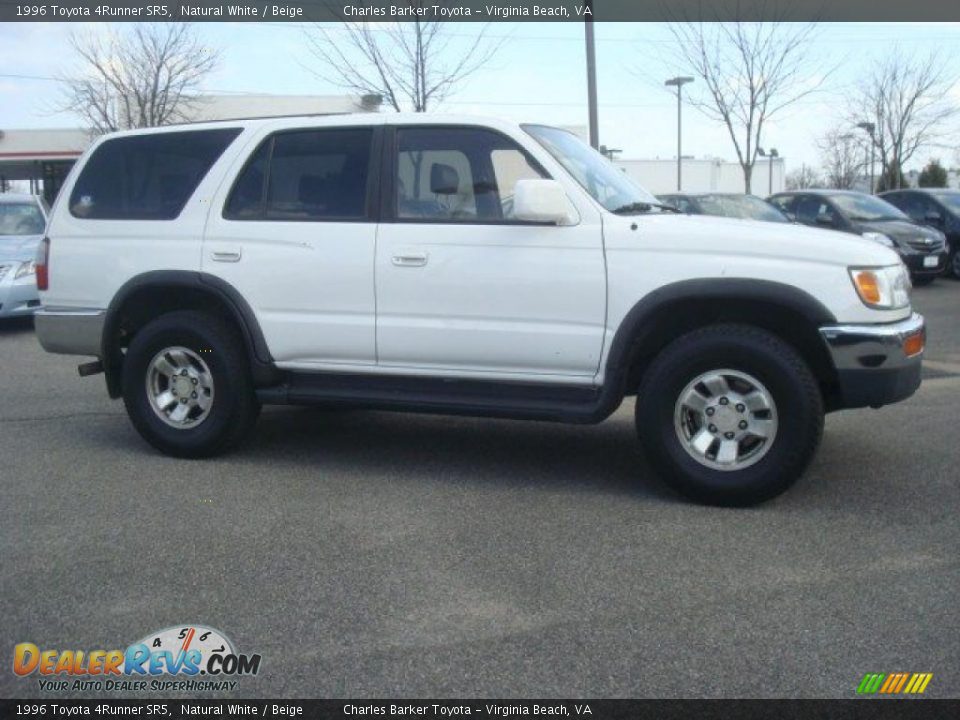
(457, 265)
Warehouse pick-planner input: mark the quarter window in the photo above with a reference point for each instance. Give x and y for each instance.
(458, 175)
(318, 175)
(146, 177)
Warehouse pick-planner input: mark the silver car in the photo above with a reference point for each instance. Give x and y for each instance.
(22, 222)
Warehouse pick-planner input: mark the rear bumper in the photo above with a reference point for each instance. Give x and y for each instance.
(71, 332)
(872, 367)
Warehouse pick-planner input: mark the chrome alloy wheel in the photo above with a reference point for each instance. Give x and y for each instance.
(726, 419)
(179, 387)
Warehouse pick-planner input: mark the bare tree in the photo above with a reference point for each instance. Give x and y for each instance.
(844, 156)
(747, 72)
(146, 77)
(412, 65)
(907, 100)
(802, 178)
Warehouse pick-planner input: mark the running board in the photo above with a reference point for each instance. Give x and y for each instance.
(560, 403)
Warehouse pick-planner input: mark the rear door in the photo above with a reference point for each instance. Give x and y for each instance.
(295, 234)
(465, 288)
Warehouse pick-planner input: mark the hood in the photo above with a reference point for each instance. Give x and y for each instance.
(19, 247)
(710, 234)
(899, 229)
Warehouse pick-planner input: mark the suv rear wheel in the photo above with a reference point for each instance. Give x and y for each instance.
(729, 415)
(187, 385)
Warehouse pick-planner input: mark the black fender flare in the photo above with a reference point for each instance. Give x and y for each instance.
(706, 290)
(261, 361)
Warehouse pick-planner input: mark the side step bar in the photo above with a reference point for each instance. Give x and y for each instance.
(440, 395)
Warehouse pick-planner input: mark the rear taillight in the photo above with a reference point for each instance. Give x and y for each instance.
(43, 265)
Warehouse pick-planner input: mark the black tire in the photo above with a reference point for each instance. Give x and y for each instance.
(953, 264)
(234, 408)
(745, 349)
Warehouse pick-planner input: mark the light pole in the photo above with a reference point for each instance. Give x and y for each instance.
(591, 78)
(678, 82)
(771, 156)
(871, 130)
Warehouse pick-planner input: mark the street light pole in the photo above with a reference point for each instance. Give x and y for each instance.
(678, 82)
(591, 78)
(771, 156)
(871, 131)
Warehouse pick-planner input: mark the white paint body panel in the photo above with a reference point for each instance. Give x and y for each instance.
(539, 303)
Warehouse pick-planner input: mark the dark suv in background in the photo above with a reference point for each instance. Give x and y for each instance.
(922, 249)
(938, 208)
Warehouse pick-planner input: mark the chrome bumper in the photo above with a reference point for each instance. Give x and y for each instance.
(872, 367)
(71, 332)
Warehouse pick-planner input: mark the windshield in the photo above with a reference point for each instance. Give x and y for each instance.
(867, 208)
(951, 200)
(21, 219)
(607, 184)
(746, 207)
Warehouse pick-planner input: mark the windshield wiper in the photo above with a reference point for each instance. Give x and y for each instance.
(642, 207)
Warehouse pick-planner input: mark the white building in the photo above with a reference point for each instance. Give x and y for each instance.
(705, 175)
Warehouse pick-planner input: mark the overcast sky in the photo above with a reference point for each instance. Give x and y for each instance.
(538, 75)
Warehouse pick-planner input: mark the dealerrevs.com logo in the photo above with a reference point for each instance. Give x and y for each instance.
(186, 658)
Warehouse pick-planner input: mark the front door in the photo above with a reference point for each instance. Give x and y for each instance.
(462, 286)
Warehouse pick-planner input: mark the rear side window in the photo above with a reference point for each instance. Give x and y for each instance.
(313, 175)
(146, 177)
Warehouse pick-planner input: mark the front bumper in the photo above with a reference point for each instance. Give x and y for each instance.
(70, 331)
(873, 368)
(18, 296)
(915, 262)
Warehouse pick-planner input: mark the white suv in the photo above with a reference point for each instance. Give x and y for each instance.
(459, 265)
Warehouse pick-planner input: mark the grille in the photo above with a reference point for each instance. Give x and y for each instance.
(935, 245)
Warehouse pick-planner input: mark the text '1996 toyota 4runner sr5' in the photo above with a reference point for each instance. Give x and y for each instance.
(458, 265)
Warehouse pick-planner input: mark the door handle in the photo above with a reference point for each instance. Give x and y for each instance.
(226, 256)
(410, 260)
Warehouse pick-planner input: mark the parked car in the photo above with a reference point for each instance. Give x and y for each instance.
(22, 220)
(460, 266)
(938, 208)
(732, 205)
(923, 250)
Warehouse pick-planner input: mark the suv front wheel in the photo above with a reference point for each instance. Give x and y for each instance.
(729, 414)
(187, 385)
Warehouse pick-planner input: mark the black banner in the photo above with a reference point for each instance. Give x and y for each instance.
(866, 709)
(474, 10)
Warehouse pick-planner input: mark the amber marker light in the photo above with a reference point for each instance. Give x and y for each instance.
(914, 344)
(868, 286)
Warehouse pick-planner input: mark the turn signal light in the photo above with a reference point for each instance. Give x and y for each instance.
(913, 345)
(868, 285)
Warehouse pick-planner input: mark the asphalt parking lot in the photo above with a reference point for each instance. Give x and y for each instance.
(376, 554)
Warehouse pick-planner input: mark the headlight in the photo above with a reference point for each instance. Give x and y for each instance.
(886, 288)
(880, 238)
(28, 268)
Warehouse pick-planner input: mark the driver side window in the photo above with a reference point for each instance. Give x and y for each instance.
(458, 175)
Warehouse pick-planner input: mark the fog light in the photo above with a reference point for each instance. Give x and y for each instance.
(913, 345)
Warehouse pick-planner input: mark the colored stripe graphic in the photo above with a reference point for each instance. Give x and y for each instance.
(894, 683)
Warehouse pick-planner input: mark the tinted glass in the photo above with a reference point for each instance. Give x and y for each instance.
(813, 210)
(21, 219)
(458, 174)
(319, 175)
(745, 207)
(246, 198)
(951, 200)
(783, 202)
(866, 208)
(146, 177)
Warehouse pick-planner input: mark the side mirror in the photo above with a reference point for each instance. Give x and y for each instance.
(933, 217)
(827, 220)
(541, 201)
